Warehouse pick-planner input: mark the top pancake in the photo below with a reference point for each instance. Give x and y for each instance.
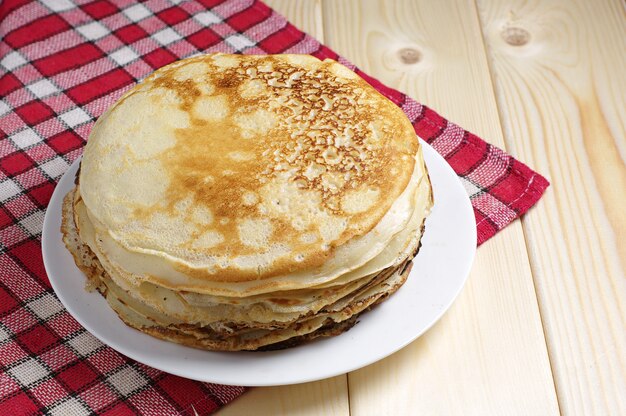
(237, 168)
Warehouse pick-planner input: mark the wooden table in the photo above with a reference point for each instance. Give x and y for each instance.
(540, 326)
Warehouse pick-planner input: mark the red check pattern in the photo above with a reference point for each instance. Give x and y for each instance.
(62, 63)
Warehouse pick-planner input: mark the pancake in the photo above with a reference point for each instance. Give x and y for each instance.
(233, 202)
(243, 168)
(204, 309)
(335, 318)
(146, 267)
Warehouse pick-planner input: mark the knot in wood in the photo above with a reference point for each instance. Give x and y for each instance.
(516, 36)
(409, 55)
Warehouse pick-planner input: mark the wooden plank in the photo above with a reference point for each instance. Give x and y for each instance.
(488, 354)
(325, 397)
(322, 398)
(305, 14)
(559, 72)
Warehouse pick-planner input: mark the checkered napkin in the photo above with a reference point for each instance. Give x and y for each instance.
(61, 65)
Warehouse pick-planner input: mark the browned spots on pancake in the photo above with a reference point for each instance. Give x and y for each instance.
(186, 90)
(198, 163)
(321, 106)
(227, 81)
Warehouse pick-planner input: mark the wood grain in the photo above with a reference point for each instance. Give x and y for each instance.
(488, 354)
(558, 68)
(325, 397)
(305, 14)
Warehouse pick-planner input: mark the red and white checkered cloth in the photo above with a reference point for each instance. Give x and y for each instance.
(62, 63)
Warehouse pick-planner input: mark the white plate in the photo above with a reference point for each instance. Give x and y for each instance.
(439, 272)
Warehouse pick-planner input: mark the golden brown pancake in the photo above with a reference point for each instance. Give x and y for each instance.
(238, 198)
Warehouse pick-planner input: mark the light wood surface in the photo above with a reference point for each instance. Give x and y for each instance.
(540, 326)
(562, 96)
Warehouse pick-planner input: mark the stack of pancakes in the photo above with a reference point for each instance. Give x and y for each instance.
(235, 202)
